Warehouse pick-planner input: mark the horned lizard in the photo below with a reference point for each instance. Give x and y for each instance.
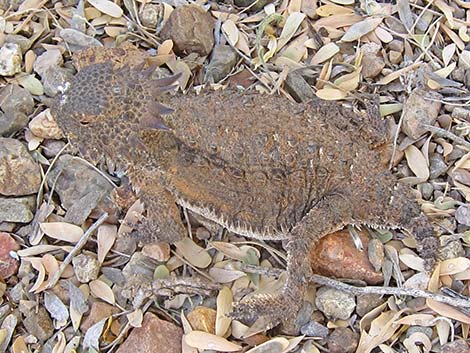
(259, 165)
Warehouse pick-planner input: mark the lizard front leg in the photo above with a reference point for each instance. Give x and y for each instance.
(329, 215)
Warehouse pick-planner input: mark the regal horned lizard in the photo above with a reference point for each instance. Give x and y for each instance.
(261, 166)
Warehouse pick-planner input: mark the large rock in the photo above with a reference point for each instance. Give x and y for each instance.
(336, 256)
(191, 29)
(10, 59)
(421, 108)
(155, 336)
(81, 188)
(19, 173)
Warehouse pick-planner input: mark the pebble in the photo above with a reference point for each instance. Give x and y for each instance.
(427, 190)
(342, 340)
(372, 62)
(223, 60)
(335, 304)
(155, 336)
(10, 59)
(19, 173)
(44, 126)
(38, 323)
(462, 215)
(50, 148)
(54, 79)
(395, 57)
(202, 318)
(99, 310)
(50, 58)
(8, 265)
(314, 329)
(419, 110)
(298, 87)
(157, 251)
(437, 166)
(396, 45)
(11, 122)
(457, 346)
(81, 189)
(151, 15)
(367, 302)
(15, 98)
(78, 40)
(86, 268)
(191, 29)
(22, 41)
(336, 256)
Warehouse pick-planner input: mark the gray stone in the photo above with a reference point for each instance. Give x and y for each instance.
(11, 122)
(427, 190)
(457, 346)
(55, 78)
(335, 304)
(151, 15)
(314, 329)
(48, 59)
(86, 268)
(38, 323)
(421, 108)
(223, 60)
(437, 166)
(19, 173)
(298, 88)
(462, 215)
(19, 209)
(15, 98)
(10, 59)
(367, 302)
(420, 329)
(78, 40)
(22, 41)
(81, 188)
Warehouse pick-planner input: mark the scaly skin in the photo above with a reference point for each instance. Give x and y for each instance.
(259, 165)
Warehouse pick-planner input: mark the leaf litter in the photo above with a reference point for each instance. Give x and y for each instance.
(421, 44)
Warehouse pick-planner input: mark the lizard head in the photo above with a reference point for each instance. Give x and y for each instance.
(103, 109)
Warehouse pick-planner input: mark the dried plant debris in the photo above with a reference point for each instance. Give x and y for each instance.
(74, 275)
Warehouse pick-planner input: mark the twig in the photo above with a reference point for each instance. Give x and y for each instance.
(325, 281)
(80, 244)
(444, 133)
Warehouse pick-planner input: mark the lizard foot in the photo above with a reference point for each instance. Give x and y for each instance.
(266, 310)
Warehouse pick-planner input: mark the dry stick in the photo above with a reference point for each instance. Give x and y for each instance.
(444, 133)
(80, 244)
(325, 281)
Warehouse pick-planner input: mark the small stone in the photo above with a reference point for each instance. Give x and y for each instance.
(437, 166)
(191, 29)
(464, 59)
(421, 108)
(98, 312)
(44, 126)
(427, 190)
(367, 302)
(54, 79)
(335, 304)
(139, 275)
(157, 251)
(81, 189)
(395, 57)
(155, 336)
(14, 98)
(298, 88)
(86, 268)
(17, 209)
(38, 323)
(342, 340)
(372, 63)
(50, 58)
(19, 173)
(78, 40)
(314, 329)
(203, 319)
(10, 59)
(336, 256)
(376, 253)
(457, 346)
(22, 41)
(396, 45)
(462, 215)
(51, 148)
(452, 248)
(151, 15)
(223, 60)
(8, 265)
(11, 122)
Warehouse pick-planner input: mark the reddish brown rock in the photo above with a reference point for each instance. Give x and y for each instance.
(99, 311)
(155, 336)
(8, 265)
(336, 256)
(191, 29)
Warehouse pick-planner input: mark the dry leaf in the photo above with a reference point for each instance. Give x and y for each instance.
(324, 53)
(107, 234)
(417, 162)
(448, 52)
(332, 9)
(192, 252)
(62, 231)
(224, 306)
(360, 29)
(447, 311)
(331, 94)
(231, 31)
(102, 291)
(107, 7)
(205, 340)
(274, 345)
(292, 24)
(454, 266)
